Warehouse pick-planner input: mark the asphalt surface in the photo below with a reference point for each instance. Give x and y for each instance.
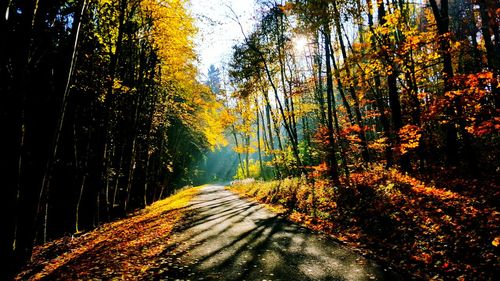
(225, 237)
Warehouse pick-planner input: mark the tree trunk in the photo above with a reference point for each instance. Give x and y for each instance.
(442, 21)
(330, 99)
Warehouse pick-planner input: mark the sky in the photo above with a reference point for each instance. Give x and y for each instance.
(218, 31)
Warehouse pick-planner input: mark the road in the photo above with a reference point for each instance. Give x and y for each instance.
(225, 237)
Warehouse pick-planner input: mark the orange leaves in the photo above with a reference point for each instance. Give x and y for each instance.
(321, 167)
(439, 193)
(287, 7)
(125, 249)
(410, 137)
(423, 257)
(351, 133)
(473, 92)
(485, 75)
(319, 170)
(496, 241)
(351, 129)
(424, 229)
(321, 136)
(485, 128)
(471, 103)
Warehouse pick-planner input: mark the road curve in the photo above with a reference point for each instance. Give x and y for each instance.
(225, 237)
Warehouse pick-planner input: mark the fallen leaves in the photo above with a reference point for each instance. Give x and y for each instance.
(444, 230)
(127, 249)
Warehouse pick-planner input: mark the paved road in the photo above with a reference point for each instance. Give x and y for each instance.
(225, 237)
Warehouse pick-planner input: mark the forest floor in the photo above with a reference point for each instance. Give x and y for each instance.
(133, 248)
(217, 236)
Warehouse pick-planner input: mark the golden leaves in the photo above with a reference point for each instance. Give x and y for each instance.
(215, 121)
(287, 7)
(379, 144)
(125, 249)
(496, 241)
(410, 137)
(172, 34)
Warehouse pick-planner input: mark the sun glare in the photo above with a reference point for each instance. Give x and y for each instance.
(300, 43)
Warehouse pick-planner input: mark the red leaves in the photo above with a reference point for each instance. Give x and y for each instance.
(423, 257)
(485, 128)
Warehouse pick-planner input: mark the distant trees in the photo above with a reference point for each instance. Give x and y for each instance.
(101, 114)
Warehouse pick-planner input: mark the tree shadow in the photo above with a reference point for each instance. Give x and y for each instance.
(235, 239)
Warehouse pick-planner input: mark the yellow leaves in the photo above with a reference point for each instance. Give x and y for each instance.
(243, 149)
(102, 97)
(393, 19)
(177, 201)
(117, 85)
(379, 144)
(107, 31)
(214, 126)
(496, 241)
(410, 136)
(172, 34)
(382, 30)
(124, 248)
(227, 118)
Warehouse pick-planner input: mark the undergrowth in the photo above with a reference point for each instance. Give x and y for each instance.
(429, 231)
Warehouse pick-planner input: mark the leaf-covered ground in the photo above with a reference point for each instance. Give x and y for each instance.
(446, 230)
(134, 248)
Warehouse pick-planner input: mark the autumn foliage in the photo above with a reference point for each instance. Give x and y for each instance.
(134, 248)
(376, 121)
(442, 230)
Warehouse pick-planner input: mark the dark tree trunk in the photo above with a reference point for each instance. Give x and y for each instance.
(330, 104)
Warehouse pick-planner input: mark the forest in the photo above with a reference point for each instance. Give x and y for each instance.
(375, 122)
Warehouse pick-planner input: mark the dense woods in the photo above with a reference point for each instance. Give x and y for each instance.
(103, 112)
